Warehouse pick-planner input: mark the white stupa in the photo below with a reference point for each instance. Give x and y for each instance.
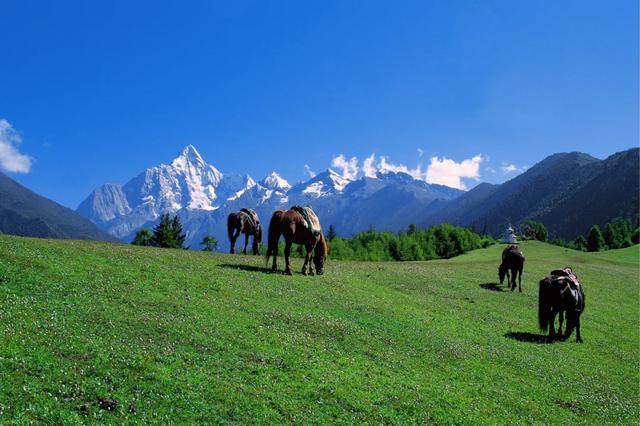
(509, 236)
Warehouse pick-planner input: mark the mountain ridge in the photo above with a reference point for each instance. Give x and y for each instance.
(203, 196)
(25, 213)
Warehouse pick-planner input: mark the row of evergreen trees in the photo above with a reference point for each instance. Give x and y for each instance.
(437, 242)
(618, 233)
(168, 233)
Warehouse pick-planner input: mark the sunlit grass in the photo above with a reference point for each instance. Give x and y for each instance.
(187, 337)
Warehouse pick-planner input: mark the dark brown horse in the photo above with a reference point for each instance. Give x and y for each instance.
(247, 223)
(512, 260)
(559, 294)
(291, 225)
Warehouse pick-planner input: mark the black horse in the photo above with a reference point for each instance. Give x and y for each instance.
(246, 222)
(512, 260)
(559, 294)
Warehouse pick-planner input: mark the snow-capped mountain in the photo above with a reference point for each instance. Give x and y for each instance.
(276, 182)
(321, 185)
(203, 196)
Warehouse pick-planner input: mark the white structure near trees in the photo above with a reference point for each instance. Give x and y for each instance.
(509, 236)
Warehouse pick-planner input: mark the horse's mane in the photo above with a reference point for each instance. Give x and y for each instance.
(323, 245)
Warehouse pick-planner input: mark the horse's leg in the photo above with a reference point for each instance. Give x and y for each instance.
(306, 261)
(552, 324)
(254, 245)
(287, 252)
(578, 337)
(520, 280)
(274, 251)
(233, 238)
(513, 279)
(246, 242)
(560, 321)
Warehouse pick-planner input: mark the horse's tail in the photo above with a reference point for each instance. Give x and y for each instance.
(230, 226)
(259, 233)
(274, 234)
(544, 304)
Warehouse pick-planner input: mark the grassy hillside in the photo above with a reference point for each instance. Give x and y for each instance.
(194, 337)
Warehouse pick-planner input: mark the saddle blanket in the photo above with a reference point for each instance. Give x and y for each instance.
(567, 277)
(253, 217)
(310, 218)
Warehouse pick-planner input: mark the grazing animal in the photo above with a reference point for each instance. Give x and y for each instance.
(512, 260)
(246, 222)
(558, 294)
(292, 225)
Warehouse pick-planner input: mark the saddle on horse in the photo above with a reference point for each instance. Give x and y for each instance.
(568, 278)
(311, 220)
(253, 217)
(513, 248)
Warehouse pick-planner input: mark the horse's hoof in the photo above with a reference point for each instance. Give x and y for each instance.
(311, 273)
(304, 272)
(288, 272)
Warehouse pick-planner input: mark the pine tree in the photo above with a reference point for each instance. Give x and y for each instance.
(209, 243)
(143, 237)
(168, 232)
(580, 243)
(595, 241)
(162, 231)
(332, 233)
(609, 235)
(178, 235)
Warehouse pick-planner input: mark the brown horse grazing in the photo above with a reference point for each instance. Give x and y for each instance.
(291, 224)
(247, 223)
(512, 260)
(560, 293)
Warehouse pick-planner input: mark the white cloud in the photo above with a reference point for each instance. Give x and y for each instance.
(308, 171)
(510, 168)
(420, 152)
(445, 171)
(385, 166)
(490, 169)
(442, 171)
(368, 167)
(349, 167)
(11, 160)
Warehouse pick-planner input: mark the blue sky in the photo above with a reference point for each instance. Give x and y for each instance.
(98, 91)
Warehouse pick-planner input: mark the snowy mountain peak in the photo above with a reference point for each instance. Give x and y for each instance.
(325, 183)
(189, 154)
(275, 181)
(337, 181)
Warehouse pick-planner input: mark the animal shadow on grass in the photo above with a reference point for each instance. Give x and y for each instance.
(248, 268)
(492, 287)
(523, 336)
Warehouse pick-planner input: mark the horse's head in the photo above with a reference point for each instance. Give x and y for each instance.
(320, 254)
(502, 272)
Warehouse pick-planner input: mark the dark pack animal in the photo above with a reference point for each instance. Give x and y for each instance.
(296, 229)
(512, 260)
(245, 222)
(559, 294)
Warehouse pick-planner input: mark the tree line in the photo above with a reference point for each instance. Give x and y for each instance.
(618, 233)
(168, 233)
(436, 242)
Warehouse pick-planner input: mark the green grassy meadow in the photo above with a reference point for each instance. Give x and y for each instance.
(174, 337)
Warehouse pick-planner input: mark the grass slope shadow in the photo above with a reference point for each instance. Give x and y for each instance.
(523, 336)
(249, 268)
(492, 287)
